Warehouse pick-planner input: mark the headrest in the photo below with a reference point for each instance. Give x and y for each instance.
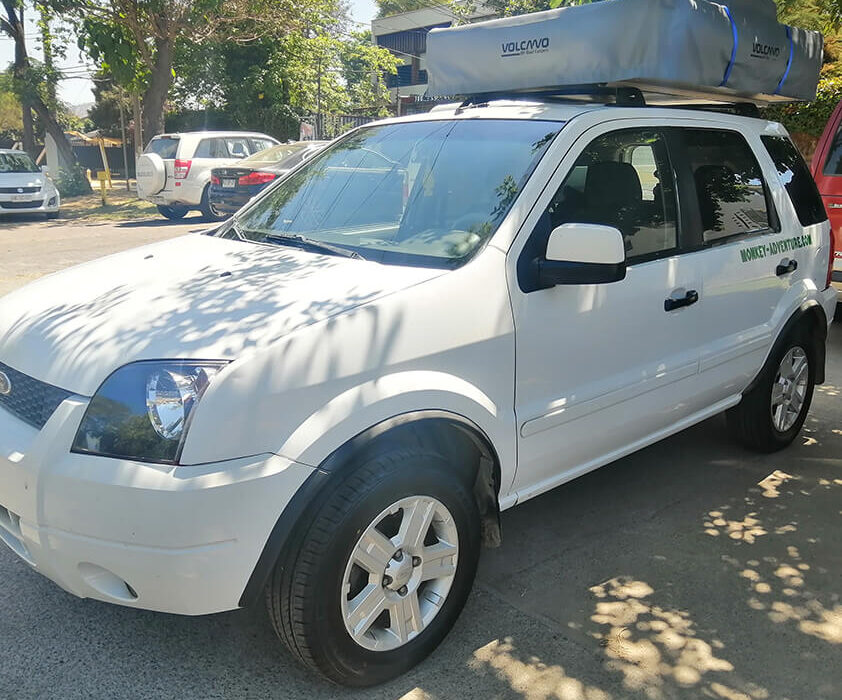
(612, 184)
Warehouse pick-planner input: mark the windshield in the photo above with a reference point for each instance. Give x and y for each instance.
(17, 163)
(419, 193)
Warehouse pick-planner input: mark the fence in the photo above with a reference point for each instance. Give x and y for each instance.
(329, 126)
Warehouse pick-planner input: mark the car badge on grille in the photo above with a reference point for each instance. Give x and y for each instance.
(20, 190)
(5, 384)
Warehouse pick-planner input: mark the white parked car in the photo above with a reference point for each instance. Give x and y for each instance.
(328, 401)
(174, 171)
(24, 187)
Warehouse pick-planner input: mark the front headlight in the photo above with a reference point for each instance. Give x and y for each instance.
(142, 411)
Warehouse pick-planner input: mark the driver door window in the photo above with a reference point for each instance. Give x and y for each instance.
(623, 179)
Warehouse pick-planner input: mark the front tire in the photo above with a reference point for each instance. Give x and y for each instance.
(772, 413)
(377, 575)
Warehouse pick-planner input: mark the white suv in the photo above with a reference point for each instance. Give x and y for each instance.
(328, 401)
(174, 171)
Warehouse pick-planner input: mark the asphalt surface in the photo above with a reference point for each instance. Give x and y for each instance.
(692, 569)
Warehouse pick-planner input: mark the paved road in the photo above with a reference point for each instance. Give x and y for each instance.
(693, 569)
(30, 247)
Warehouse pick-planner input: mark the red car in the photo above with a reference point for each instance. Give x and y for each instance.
(827, 172)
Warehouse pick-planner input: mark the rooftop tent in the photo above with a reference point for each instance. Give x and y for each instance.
(687, 48)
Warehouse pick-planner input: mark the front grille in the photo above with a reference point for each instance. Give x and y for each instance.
(20, 190)
(34, 204)
(30, 400)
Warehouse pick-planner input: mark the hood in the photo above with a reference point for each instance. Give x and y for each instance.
(195, 297)
(24, 180)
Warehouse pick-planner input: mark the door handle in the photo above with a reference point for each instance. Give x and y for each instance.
(690, 298)
(786, 266)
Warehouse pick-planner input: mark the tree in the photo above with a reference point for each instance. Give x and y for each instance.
(11, 120)
(145, 35)
(27, 84)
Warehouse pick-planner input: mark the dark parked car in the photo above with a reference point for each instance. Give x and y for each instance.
(231, 187)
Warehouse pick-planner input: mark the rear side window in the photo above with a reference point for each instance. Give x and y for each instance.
(165, 146)
(211, 148)
(729, 183)
(796, 177)
(257, 145)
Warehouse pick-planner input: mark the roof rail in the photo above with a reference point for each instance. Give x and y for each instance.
(623, 96)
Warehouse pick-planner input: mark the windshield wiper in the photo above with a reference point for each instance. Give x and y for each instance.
(311, 244)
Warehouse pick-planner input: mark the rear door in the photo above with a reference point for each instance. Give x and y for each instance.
(753, 257)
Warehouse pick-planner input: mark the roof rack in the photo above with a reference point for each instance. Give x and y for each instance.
(620, 96)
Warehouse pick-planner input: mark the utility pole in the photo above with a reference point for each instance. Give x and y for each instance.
(319, 97)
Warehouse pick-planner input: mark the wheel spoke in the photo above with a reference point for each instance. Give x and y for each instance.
(365, 607)
(415, 523)
(438, 561)
(373, 551)
(777, 394)
(801, 371)
(786, 369)
(778, 416)
(405, 617)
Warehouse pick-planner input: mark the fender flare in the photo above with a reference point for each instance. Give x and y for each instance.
(812, 316)
(439, 429)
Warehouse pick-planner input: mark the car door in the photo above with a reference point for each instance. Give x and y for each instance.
(602, 369)
(747, 260)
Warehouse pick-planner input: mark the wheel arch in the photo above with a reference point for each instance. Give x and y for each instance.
(446, 432)
(810, 316)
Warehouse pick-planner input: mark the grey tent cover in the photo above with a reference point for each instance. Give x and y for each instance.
(674, 47)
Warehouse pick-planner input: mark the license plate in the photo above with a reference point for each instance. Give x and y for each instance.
(21, 198)
(229, 184)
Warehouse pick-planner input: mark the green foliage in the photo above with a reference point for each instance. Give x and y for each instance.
(11, 122)
(386, 8)
(72, 182)
(112, 46)
(809, 118)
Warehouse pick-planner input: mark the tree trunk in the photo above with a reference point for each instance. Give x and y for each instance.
(47, 47)
(138, 131)
(155, 96)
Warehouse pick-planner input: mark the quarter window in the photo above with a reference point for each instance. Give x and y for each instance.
(729, 184)
(622, 179)
(797, 180)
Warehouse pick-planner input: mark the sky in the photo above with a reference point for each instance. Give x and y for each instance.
(75, 89)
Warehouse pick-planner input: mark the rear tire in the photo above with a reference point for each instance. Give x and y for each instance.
(772, 413)
(173, 213)
(318, 585)
(209, 213)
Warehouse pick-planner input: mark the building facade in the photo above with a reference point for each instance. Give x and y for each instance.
(405, 35)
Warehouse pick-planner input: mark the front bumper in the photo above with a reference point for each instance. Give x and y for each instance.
(33, 204)
(181, 539)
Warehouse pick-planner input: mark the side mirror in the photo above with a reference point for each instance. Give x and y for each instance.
(583, 254)
(45, 169)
